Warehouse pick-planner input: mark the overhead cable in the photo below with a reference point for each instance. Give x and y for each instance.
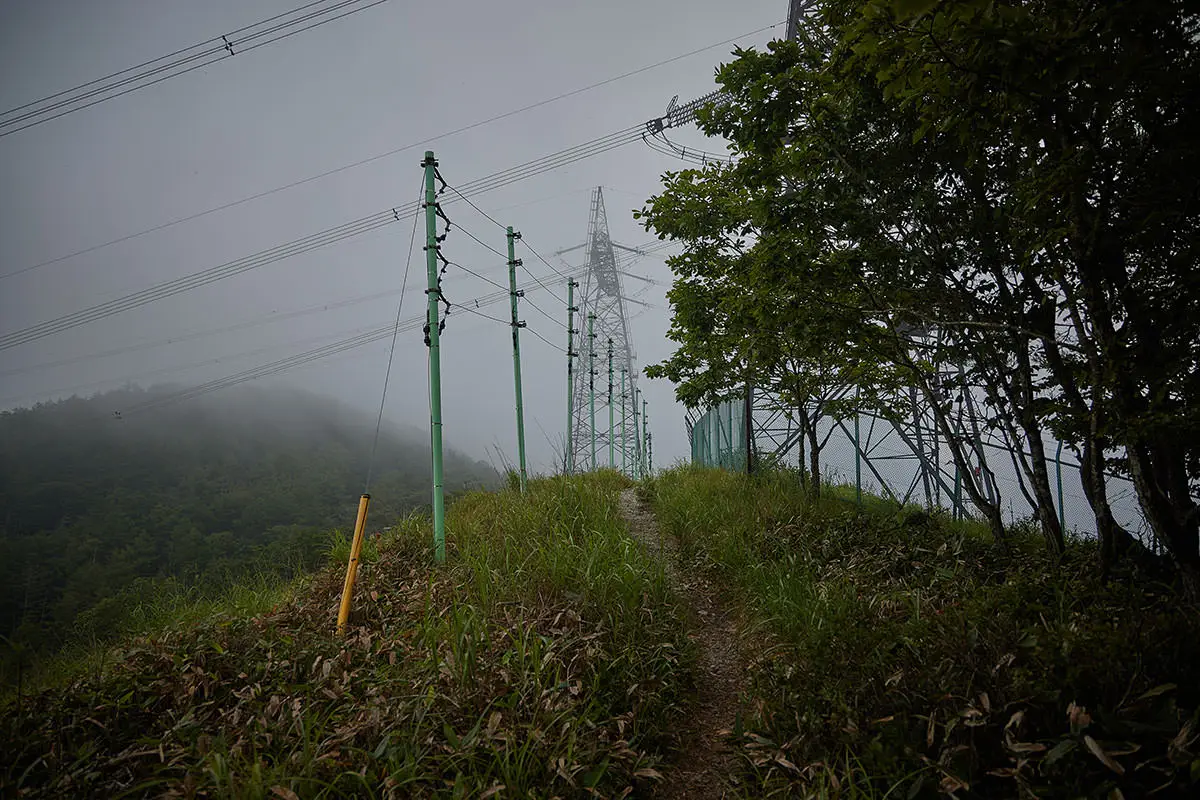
(370, 159)
(300, 359)
(148, 73)
(305, 244)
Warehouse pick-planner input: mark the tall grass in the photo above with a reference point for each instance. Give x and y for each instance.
(896, 652)
(544, 658)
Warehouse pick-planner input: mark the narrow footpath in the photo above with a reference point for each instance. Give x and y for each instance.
(703, 766)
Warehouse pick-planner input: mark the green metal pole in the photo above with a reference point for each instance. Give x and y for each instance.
(1062, 510)
(433, 339)
(645, 438)
(857, 464)
(638, 427)
(612, 459)
(633, 409)
(569, 459)
(624, 407)
(729, 464)
(513, 263)
(637, 467)
(592, 383)
(958, 511)
(650, 454)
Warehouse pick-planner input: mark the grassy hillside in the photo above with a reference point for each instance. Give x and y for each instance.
(98, 512)
(893, 652)
(881, 652)
(542, 659)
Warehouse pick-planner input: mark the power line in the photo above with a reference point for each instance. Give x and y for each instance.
(178, 63)
(538, 309)
(387, 375)
(477, 275)
(252, 323)
(305, 244)
(477, 240)
(544, 261)
(370, 159)
(504, 322)
(198, 279)
(488, 216)
(181, 367)
(301, 359)
(360, 337)
(294, 361)
(547, 341)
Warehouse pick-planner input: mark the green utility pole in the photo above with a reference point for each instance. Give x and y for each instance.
(569, 458)
(624, 406)
(645, 437)
(650, 453)
(612, 460)
(513, 263)
(637, 437)
(433, 340)
(592, 383)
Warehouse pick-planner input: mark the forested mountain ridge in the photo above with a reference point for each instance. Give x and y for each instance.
(190, 493)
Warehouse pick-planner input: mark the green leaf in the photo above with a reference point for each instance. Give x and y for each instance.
(1059, 750)
(909, 9)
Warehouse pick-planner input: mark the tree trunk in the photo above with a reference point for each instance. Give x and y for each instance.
(800, 445)
(814, 459)
(1175, 524)
(1115, 541)
(1051, 529)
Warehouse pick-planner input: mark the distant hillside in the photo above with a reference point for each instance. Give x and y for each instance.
(198, 492)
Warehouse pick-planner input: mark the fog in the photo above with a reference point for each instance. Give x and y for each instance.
(394, 75)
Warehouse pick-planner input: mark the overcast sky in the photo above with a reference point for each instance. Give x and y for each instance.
(397, 74)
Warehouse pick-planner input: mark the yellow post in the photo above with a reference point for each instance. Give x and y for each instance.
(352, 568)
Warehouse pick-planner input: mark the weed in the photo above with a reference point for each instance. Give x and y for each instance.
(543, 659)
(896, 651)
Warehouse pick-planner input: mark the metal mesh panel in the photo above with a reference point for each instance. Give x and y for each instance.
(876, 457)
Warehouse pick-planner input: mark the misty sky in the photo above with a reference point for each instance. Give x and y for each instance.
(400, 73)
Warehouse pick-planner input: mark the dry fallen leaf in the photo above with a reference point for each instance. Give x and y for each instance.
(1104, 758)
(647, 772)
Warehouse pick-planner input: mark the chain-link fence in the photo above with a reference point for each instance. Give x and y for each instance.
(905, 463)
(718, 436)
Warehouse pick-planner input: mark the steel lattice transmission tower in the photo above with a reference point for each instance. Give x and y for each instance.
(601, 295)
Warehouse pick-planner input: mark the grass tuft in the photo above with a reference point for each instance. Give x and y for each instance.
(543, 659)
(895, 652)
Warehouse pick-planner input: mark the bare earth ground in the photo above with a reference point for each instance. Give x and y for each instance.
(704, 762)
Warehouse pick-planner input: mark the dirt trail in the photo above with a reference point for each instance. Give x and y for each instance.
(705, 762)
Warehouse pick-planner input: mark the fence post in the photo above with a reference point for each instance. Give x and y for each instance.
(513, 263)
(433, 339)
(857, 461)
(352, 567)
(749, 429)
(1062, 510)
(732, 447)
(958, 513)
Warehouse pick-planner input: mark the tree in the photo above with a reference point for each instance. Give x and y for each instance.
(1007, 174)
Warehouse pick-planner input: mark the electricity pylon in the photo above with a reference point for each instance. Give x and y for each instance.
(601, 294)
